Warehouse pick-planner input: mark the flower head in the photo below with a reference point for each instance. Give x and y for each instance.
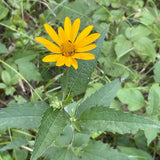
(67, 46)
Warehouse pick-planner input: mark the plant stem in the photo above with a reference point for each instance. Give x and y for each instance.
(66, 84)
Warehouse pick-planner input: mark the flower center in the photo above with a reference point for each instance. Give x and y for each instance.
(67, 48)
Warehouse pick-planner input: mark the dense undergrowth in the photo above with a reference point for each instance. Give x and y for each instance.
(108, 109)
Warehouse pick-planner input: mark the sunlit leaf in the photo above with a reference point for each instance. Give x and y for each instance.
(4, 11)
(103, 96)
(106, 119)
(132, 97)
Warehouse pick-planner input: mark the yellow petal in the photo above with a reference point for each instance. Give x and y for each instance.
(49, 45)
(84, 56)
(68, 61)
(61, 61)
(51, 58)
(91, 38)
(75, 29)
(86, 48)
(62, 35)
(67, 27)
(52, 33)
(83, 34)
(74, 63)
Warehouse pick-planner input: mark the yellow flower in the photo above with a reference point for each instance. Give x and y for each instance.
(67, 47)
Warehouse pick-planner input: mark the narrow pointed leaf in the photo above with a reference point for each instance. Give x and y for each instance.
(52, 125)
(25, 116)
(75, 81)
(103, 96)
(106, 119)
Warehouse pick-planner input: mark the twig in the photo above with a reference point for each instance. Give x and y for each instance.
(27, 148)
(100, 70)
(7, 5)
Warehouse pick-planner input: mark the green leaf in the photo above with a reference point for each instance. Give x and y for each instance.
(38, 92)
(122, 46)
(117, 15)
(136, 33)
(54, 153)
(52, 125)
(106, 119)
(104, 2)
(154, 101)
(6, 156)
(65, 137)
(75, 81)
(3, 48)
(135, 154)
(24, 116)
(23, 59)
(101, 15)
(73, 10)
(71, 108)
(80, 139)
(31, 73)
(4, 11)
(92, 89)
(15, 79)
(14, 144)
(140, 140)
(23, 56)
(107, 56)
(157, 72)
(107, 61)
(146, 47)
(9, 90)
(6, 77)
(153, 110)
(103, 96)
(20, 154)
(116, 104)
(99, 151)
(151, 134)
(132, 97)
(2, 85)
(147, 18)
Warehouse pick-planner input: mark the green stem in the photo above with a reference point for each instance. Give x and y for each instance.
(23, 133)
(10, 135)
(66, 84)
(21, 77)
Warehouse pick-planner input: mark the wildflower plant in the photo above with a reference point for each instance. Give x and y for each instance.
(92, 114)
(64, 118)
